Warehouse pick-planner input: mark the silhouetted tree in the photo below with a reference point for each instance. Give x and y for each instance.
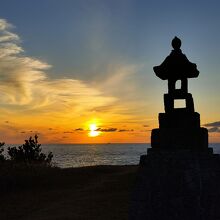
(30, 152)
(2, 158)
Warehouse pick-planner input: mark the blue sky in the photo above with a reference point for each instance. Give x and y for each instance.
(94, 41)
(70, 33)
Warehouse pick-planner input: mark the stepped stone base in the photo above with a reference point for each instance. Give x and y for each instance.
(179, 119)
(179, 130)
(179, 138)
(177, 185)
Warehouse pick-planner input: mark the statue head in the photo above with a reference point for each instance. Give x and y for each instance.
(176, 43)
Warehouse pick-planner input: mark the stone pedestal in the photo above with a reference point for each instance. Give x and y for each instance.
(179, 129)
(177, 185)
(179, 178)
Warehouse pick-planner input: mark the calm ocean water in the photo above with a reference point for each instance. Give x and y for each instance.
(79, 155)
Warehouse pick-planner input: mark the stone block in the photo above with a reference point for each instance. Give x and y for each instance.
(177, 186)
(169, 101)
(179, 119)
(177, 138)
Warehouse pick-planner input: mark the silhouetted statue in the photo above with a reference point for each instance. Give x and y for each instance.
(176, 67)
(179, 127)
(179, 177)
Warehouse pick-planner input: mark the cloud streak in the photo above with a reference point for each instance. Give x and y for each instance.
(25, 82)
(213, 126)
(107, 129)
(35, 100)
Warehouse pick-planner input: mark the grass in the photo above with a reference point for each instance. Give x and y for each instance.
(43, 193)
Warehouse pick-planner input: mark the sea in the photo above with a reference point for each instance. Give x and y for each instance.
(80, 155)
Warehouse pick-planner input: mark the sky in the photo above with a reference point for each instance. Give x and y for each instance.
(69, 65)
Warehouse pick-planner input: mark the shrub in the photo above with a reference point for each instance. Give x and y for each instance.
(30, 152)
(2, 158)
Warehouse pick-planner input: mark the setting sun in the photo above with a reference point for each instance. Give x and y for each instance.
(93, 130)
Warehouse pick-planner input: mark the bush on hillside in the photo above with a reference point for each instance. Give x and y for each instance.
(29, 153)
(2, 158)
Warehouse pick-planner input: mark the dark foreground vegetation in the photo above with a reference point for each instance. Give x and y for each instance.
(29, 153)
(32, 189)
(48, 193)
